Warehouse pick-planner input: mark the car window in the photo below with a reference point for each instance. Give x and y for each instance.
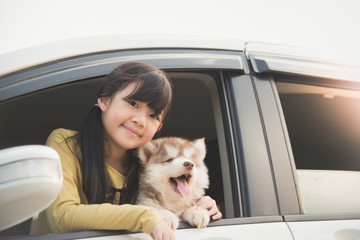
(195, 113)
(324, 131)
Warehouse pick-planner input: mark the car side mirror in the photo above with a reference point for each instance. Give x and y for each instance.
(30, 180)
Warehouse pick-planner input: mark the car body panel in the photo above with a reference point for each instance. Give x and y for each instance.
(324, 230)
(257, 231)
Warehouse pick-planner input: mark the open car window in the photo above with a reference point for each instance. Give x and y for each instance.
(196, 112)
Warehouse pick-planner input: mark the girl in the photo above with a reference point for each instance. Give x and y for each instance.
(99, 168)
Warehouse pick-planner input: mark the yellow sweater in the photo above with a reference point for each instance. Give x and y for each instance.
(71, 211)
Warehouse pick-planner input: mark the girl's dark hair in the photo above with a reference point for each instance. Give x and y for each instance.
(152, 87)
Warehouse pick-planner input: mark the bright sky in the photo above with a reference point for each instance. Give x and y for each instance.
(321, 24)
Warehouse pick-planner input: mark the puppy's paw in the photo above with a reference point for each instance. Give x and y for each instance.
(170, 219)
(196, 217)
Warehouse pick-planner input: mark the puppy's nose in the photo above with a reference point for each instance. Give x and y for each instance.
(188, 165)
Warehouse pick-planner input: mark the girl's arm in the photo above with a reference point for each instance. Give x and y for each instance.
(70, 211)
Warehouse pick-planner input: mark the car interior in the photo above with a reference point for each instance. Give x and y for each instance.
(195, 113)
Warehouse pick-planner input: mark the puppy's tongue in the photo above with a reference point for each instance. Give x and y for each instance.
(183, 187)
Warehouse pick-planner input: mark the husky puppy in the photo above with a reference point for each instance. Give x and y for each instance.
(173, 175)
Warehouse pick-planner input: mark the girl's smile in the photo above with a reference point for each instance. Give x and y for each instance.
(131, 131)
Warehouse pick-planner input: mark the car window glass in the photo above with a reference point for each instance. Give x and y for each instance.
(324, 130)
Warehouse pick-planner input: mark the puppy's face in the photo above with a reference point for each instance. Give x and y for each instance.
(175, 166)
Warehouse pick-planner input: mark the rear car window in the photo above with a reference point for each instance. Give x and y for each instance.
(323, 123)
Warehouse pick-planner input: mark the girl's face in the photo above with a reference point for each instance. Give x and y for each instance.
(128, 124)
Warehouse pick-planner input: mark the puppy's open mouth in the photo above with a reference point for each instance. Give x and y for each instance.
(181, 184)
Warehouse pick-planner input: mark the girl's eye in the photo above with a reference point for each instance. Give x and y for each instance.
(154, 116)
(132, 103)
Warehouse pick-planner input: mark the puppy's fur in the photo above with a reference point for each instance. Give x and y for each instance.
(172, 176)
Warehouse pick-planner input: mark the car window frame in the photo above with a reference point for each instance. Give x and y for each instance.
(96, 64)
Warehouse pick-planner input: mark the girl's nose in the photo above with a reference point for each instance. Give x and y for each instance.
(139, 119)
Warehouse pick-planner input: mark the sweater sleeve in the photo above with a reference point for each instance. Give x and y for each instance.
(70, 211)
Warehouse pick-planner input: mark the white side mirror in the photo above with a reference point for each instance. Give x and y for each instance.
(30, 180)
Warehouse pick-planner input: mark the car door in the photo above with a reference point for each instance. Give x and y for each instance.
(311, 115)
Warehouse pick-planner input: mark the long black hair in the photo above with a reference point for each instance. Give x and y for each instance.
(152, 87)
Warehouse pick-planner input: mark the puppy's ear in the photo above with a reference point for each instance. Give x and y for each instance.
(200, 145)
(145, 152)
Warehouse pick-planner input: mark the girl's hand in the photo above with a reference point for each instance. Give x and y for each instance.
(209, 204)
(162, 231)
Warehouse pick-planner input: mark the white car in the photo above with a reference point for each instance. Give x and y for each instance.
(281, 125)
(281, 128)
